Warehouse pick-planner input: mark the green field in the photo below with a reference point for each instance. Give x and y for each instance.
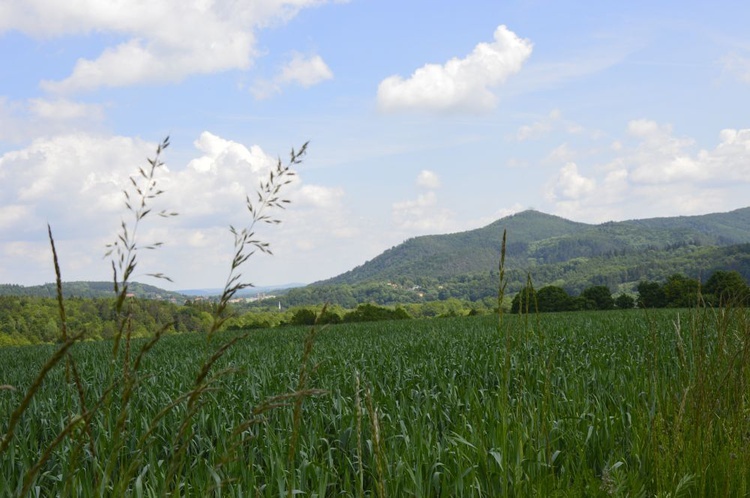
(624, 403)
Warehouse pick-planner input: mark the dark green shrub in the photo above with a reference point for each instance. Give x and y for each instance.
(601, 296)
(625, 302)
(374, 313)
(553, 298)
(304, 316)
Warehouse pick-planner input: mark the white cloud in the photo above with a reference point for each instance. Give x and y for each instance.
(22, 121)
(319, 196)
(459, 84)
(164, 40)
(660, 157)
(658, 175)
(301, 70)
(12, 215)
(73, 179)
(561, 153)
(75, 183)
(571, 185)
(210, 195)
(305, 71)
(428, 179)
(422, 214)
(213, 185)
(646, 128)
(264, 89)
(34, 258)
(64, 110)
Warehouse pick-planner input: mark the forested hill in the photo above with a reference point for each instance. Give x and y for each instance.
(444, 256)
(90, 290)
(723, 228)
(536, 238)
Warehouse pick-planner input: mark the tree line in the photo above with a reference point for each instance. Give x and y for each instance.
(722, 288)
(31, 320)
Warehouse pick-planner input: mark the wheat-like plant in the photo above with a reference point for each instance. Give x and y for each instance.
(107, 414)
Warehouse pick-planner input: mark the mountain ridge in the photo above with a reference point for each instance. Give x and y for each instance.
(482, 243)
(90, 289)
(535, 238)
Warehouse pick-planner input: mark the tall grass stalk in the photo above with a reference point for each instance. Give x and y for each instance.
(305, 372)
(358, 412)
(98, 436)
(378, 448)
(502, 284)
(246, 244)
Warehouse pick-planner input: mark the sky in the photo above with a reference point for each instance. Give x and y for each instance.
(422, 116)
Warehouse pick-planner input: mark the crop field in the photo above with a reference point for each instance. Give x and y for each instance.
(628, 403)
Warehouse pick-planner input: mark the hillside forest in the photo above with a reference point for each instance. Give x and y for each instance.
(28, 320)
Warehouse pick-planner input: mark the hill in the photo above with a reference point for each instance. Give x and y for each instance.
(90, 290)
(441, 256)
(552, 250)
(536, 238)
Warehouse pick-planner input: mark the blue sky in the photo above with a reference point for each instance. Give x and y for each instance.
(423, 117)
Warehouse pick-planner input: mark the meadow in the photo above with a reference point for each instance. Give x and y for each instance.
(618, 403)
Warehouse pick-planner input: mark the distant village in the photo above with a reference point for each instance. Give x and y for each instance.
(247, 299)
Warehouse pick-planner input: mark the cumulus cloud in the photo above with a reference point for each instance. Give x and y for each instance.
(21, 121)
(12, 215)
(212, 183)
(428, 179)
(71, 178)
(75, 183)
(319, 196)
(305, 71)
(164, 40)
(646, 128)
(570, 184)
(301, 70)
(655, 173)
(423, 214)
(661, 157)
(459, 84)
(65, 110)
